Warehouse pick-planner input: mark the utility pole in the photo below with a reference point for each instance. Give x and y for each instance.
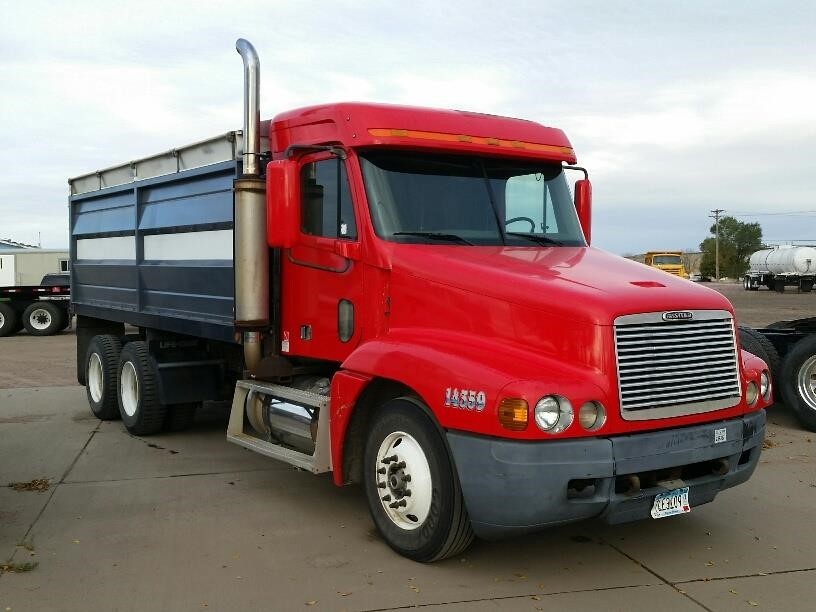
(716, 216)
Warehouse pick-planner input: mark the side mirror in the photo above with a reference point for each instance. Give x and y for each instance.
(583, 206)
(282, 203)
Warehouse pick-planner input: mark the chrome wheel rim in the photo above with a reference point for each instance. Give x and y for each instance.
(403, 479)
(129, 388)
(39, 319)
(806, 382)
(2, 320)
(95, 382)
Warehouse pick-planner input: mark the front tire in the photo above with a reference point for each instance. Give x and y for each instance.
(411, 485)
(798, 381)
(139, 405)
(101, 365)
(43, 319)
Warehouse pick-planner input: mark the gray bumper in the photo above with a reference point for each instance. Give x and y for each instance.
(513, 487)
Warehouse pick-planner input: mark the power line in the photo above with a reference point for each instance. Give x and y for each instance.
(792, 213)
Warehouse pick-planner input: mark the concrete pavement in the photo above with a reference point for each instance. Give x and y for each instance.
(187, 521)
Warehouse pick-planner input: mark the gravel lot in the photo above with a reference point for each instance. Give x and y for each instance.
(188, 521)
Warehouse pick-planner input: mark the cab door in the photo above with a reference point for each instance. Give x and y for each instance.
(321, 276)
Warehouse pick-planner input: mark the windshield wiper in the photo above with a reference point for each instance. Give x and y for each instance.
(436, 236)
(537, 238)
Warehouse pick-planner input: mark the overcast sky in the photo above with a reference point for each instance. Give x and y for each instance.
(676, 108)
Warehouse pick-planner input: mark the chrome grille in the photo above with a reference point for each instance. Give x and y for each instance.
(676, 367)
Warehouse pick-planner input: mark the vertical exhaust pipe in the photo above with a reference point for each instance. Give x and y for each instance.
(252, 103)
(251, 249)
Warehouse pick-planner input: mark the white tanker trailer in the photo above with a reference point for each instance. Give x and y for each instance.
(782, 266)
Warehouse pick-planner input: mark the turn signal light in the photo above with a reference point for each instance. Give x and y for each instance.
(513, 414)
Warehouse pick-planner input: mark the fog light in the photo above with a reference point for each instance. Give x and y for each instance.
(513, 414)
(592, 416)
(751, 393)
(765, 385)
(553, 413)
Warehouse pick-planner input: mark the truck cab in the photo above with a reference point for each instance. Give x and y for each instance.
(671, 262)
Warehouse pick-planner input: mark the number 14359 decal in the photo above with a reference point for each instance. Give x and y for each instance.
(466, 399)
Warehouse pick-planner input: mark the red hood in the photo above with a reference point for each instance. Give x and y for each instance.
(574, 283)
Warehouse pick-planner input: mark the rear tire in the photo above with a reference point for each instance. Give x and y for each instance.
(43, 319)
(798, 381)
(101, 368)
(405, 452)
(9, 320)
(806, 286)
(139, 405)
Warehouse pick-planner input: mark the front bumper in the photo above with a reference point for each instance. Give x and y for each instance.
(513, 487)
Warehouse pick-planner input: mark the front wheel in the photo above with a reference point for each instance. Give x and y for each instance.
(412, 489)
(798, 381)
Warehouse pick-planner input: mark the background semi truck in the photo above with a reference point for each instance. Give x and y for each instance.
(406, 298)
(42, 309)
(780, 267)
(789, 349)
(668, 261)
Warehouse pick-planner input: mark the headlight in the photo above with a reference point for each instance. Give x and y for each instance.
(751, 393)
(592, 416)
(765, 384)
(553, 414)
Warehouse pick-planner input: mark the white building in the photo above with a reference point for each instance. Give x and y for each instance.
(27, 265)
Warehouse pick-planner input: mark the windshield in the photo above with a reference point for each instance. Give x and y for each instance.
(666, 260)
(424, 198)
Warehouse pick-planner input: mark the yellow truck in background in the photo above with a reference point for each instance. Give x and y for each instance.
(668, 261)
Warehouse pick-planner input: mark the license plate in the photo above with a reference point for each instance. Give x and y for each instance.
(670, 503)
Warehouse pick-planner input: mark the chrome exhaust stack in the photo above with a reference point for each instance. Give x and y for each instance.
(252, 103)
(251, 249)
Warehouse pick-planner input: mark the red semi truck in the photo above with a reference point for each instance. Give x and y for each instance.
(407, 298)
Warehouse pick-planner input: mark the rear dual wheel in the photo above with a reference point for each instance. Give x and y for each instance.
(411, 485)
(138, 400)
(101, 364)
(139, 405)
